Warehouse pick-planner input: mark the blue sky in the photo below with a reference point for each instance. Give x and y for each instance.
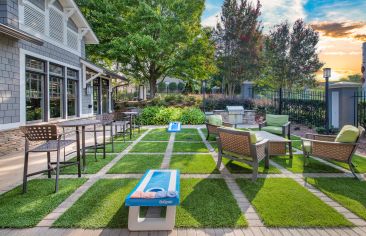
(341, 24)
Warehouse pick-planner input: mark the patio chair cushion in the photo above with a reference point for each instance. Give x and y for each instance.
(215, 120)
(253, 138)
(276, 120)
(348, 134)
(273, 129)
(306, 146)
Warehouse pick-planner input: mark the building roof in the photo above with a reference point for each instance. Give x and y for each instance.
(19, 34)
(75, 14)
(104, 71)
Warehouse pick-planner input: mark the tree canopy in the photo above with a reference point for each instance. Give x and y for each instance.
(151, 39)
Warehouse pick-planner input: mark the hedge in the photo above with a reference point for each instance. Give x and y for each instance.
(159, 115)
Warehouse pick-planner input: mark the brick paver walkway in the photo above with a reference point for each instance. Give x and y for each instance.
(256, 226)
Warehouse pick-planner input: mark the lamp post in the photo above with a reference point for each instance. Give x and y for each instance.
(204, 82)
(167, 87)
(327, 73)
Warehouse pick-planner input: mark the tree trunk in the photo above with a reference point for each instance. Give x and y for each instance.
(152, 83)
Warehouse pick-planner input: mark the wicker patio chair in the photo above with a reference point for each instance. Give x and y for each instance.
(277, 124)
(241, 146)
(53, 142)
(212, 129)
(325, 147)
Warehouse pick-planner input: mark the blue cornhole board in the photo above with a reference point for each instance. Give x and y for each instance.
(174, 127)
(167, 180)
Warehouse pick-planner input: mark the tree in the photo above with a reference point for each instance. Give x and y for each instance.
(152, 39)
(161, 87)
(181, 86)
(173, 87)
(292, 54)
(238, 37)
(356, 78)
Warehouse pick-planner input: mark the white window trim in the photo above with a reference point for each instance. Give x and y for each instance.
(23, 53)
(46, 36)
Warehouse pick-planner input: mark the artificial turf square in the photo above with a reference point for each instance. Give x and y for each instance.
(150, 147)
(19, 210)
(194, 164)
(285, 203)
(358, 161)
(136, 164)
(349, 192)
(102, 206)
(296, 165)
(188, 135)
(212, 136)
(118, 147)
(189, 147)
(297, 144)
(157, 135)
(236, 167)
(92, 166)
(207, 203)
(135, 135)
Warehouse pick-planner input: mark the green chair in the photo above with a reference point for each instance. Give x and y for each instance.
(334, 148)
(213, 122)
(277, 124)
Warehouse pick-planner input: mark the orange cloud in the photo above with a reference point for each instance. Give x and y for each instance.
(340, 29)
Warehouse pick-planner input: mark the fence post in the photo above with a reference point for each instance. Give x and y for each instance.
(280, 101)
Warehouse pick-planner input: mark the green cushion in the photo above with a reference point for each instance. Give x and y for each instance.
(253, 138)
(306, 146)
(215, 120)
(276, 120)
(348, 134)
(273, 129)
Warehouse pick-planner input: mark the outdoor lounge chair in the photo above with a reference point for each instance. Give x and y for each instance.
(334, 148)
(242, 146)
(53, 143)
(213, 122)
(277, 124)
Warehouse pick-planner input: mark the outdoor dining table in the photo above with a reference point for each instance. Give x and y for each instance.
(84, 123)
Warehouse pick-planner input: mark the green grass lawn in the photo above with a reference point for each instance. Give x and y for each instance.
(297, 144)
(194, 164)
(188, 135)
(214, 146)
(350, 193)
(136, 164)
(157, 135)
(285, 203)
(102, 206)
(92, 166)
(135, 135)
(358, 161)
(296, 165)
(207, 203)
(211, 138)
(236, 167)
(158, 147)
(190, 147)
(19, 210)
(118, 147)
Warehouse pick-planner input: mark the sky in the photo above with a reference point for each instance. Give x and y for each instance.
(340, 23)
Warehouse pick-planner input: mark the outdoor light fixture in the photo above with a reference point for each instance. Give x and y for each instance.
(88, 89)
(327, 73)
(167, 86)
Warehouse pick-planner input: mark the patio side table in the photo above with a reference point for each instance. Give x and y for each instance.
(277, 145)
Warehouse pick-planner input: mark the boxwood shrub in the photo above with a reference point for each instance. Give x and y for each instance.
(159, 115)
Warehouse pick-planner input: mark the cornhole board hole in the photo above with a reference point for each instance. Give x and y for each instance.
(154, 181)
(174, 127)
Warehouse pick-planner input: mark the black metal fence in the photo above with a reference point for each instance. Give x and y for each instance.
(360, 105)
(303, 106)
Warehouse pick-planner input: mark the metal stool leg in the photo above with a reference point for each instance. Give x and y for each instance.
(57, 169)
(103, 141)
(49, 164)
(112, 137)
(95, 143)
(26, 155)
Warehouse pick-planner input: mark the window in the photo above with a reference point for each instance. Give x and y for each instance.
(35, 76)
(56, 91)
(72, 92)
(34, 19)
(96, 108)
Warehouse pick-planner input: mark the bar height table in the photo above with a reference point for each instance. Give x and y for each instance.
(84, 123)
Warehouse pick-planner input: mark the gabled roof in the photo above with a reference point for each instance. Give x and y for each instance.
(104, 71)
(72, 8)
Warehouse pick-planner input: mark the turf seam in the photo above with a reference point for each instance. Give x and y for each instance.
(168, 152)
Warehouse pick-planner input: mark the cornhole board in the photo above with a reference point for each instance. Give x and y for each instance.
(174, 127)
(152, 181)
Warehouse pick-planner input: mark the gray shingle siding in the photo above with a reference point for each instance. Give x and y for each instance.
(9, 12)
